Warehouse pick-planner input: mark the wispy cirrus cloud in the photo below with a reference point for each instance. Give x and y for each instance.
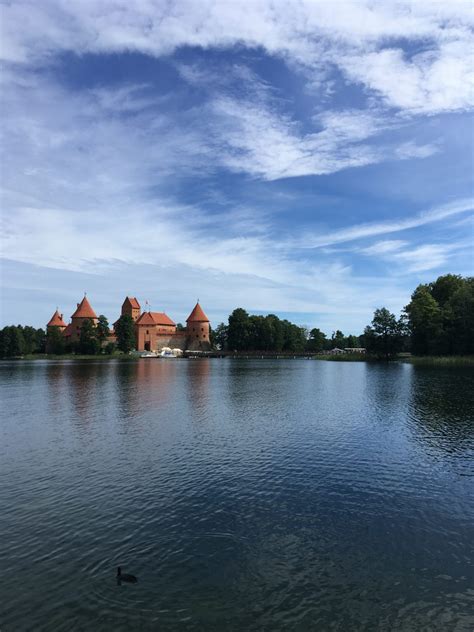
(361, 231)
(414, 258)
(384, 247)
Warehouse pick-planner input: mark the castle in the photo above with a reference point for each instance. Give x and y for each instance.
(153, 330)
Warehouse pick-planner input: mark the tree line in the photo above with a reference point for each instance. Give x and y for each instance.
(16, 340)
(438, 320)
(245, 332)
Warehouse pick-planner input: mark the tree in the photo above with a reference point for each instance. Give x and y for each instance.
(219, 336)
(384, 337)
(102, 329)
(55, 343)
(440, 316)
(110, 348)
(461, 305)
(238, 330)
(338, 339)
(125, 332)
(445, 287)
(317, 340)
(294, 337)
(88, 340)
(12, 342)
(353, 342)
(424, 321)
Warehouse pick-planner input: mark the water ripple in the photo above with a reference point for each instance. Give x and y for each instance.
(246, 495)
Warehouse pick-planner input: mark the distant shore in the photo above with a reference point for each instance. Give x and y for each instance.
(441, 361)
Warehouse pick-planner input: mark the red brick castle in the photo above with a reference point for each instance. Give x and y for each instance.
(153, 330)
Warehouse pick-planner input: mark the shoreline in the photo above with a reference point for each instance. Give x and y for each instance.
(441, 361)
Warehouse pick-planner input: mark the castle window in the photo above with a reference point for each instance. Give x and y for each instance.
(147, 331)
(202, 328)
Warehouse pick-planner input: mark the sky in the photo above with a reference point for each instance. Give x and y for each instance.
(308, 159)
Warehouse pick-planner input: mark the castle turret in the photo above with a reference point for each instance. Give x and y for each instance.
(56, 322)
(83, 312)
(198, 328)
(55, 333)
(131, 307)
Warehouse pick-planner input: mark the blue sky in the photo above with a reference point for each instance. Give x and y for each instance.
(308, 159)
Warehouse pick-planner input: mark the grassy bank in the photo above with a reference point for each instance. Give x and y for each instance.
(71, 356)
(440, 360)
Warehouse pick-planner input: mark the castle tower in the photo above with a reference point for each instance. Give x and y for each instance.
(131, 307)
(56, 321)
(198, 328)
(54, 332)
(83, 312)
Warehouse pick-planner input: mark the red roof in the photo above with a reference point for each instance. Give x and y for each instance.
(197, 315)
(69, 330)
(155, 318)
(56, 320)
(134, 304)
(84, 310)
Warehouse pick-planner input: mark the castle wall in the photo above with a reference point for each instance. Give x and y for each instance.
(155, 340)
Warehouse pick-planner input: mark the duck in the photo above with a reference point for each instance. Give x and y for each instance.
(125, 577)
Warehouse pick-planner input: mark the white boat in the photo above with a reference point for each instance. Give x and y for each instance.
(166, 352)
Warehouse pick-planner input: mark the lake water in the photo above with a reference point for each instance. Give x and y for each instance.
(245, 495)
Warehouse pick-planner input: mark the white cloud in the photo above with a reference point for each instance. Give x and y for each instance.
(313, 35)
(416, 259)
(434, 81)
(384, 247)
(361, 231)
(425, 257)
(412, 150)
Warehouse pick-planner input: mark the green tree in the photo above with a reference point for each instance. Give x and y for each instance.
(461, 305)
(445, 287)
(102, 329)
(425, 321)
(317, 340)
(238, 332)
(55, 343)
(12, 341)
(338, 340)
(276, 332)
(294, 337)
(109, 348)
(40, 340)
(384, 337)
(353, 341)
(219, 337)
(88, 340)
(125, 332)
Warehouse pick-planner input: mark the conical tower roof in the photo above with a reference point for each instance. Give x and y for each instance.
(56, 320)
(197, 315)
(84, 310)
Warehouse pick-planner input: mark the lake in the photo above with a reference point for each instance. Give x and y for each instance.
(245, 495)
